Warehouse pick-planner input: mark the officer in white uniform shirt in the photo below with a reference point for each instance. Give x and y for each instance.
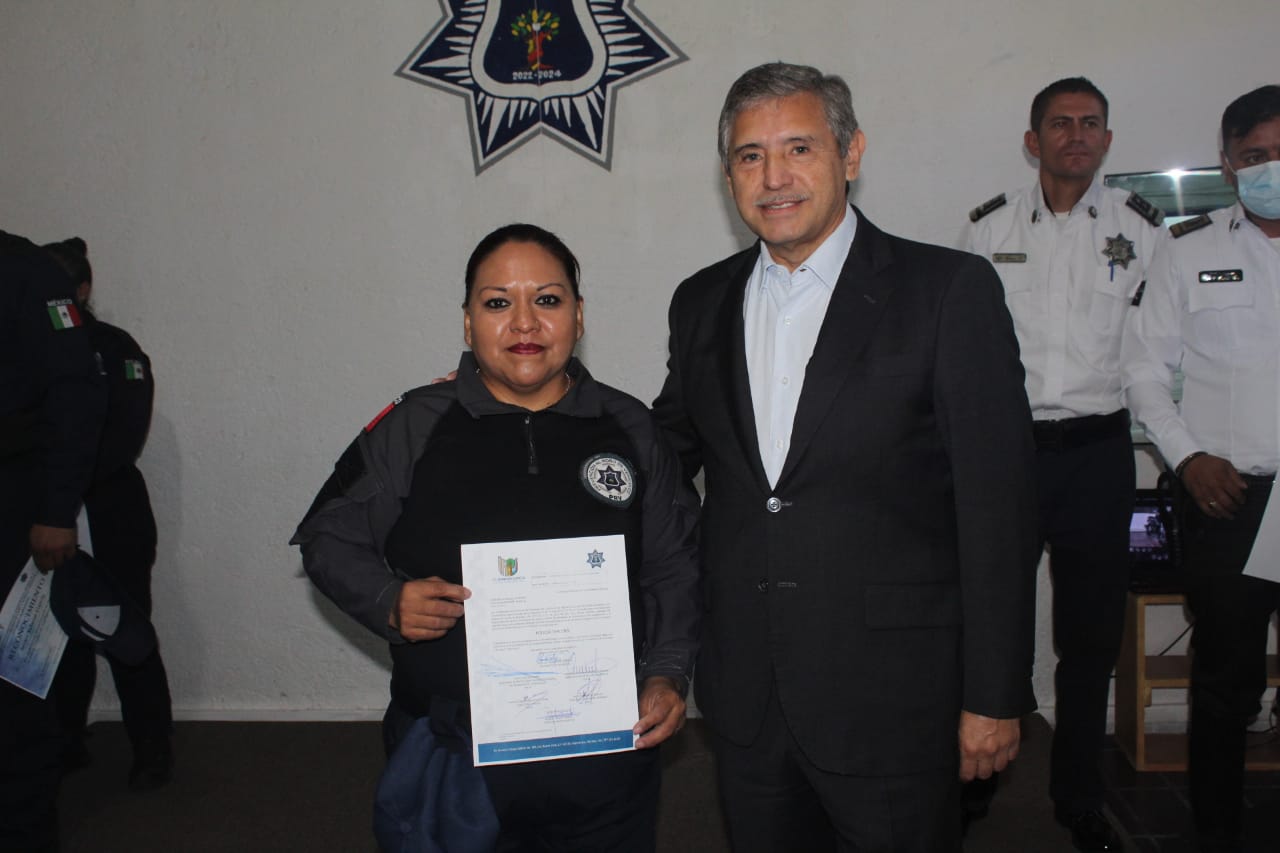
(1073, 255)
(1212, 308)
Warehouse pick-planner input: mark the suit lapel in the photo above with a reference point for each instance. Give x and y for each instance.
(735, 382)
(856, 303)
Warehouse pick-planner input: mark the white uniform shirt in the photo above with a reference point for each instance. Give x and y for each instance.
(782, 313)
(1069, 300)
(1211, 307)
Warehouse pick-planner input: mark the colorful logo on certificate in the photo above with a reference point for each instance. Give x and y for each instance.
(529, 67)
(508, 566)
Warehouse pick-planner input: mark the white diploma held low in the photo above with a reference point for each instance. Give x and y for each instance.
(31, 641)
(1264, 557)
(549, 649)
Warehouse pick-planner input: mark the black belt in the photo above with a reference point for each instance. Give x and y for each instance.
(1070, 433)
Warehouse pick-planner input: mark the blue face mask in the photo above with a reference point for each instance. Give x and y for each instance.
(1259, 188)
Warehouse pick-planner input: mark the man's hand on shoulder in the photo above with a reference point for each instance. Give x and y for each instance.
(52, 546)
(987, 745)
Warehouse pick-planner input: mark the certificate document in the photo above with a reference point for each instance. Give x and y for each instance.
(31, 642)
(1264, 557)
(549, 649)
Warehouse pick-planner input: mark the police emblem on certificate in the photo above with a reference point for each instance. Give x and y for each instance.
(549, 649)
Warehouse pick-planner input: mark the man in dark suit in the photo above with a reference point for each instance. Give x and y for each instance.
(856, 403)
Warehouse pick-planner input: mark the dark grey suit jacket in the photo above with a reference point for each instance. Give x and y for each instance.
(888, 580)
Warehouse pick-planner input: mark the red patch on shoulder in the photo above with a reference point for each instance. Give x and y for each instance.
(378, 418)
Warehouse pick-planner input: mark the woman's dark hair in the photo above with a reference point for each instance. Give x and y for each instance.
(73, 254)
(520, 232)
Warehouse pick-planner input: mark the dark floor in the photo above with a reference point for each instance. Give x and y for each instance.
(1156, 815)
(276, 787)
(282, 787)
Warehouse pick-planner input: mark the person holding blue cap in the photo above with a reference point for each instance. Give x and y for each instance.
(52, 405)
(123, 530)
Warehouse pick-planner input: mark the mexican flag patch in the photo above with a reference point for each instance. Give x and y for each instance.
(63, 313)
(133, 369)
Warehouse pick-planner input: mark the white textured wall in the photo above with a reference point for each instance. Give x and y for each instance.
(283, 224)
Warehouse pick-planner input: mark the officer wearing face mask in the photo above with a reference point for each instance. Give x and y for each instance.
(1211, 308)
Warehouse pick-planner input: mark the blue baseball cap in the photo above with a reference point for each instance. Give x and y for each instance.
(91, 606)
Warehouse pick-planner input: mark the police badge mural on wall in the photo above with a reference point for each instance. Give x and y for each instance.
(528, 67)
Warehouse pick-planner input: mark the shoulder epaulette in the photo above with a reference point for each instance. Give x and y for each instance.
(1189, 225)
(1145, 209)
(378, 418)
(987, 206)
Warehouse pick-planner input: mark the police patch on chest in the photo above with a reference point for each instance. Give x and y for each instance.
(610, 479)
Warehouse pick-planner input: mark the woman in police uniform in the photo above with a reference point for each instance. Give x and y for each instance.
(499, 454)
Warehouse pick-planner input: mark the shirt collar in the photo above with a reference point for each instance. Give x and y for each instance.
(583, 399)
(1092, 199)
(1240, 220)
(827, 260)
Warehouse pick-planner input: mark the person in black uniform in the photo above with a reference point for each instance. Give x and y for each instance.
(500, 454)
(52, 403)
(123, 531)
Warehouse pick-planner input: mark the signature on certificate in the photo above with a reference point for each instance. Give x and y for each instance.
(590, 690)
(594, 665)
(559, 715)
(530, 700)
(557, 657)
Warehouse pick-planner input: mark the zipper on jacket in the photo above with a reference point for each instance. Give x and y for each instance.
(528, 437)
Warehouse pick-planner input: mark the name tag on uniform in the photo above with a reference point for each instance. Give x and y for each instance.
(1009, 258)
(1216, 276)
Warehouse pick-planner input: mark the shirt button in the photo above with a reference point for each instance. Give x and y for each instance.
(778, 444)
(786, 321)
(763, 585)
(773, 505)
(786, 380)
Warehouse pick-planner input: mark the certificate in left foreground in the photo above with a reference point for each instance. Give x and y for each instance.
(31, 641)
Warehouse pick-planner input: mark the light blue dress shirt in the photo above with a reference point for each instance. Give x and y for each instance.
(782, 314)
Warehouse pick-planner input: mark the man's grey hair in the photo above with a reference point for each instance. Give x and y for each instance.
(780, 80)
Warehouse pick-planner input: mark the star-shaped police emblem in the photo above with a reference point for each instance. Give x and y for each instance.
(1119, 251)
(529, 67)
(595, 559)
(611, 478)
